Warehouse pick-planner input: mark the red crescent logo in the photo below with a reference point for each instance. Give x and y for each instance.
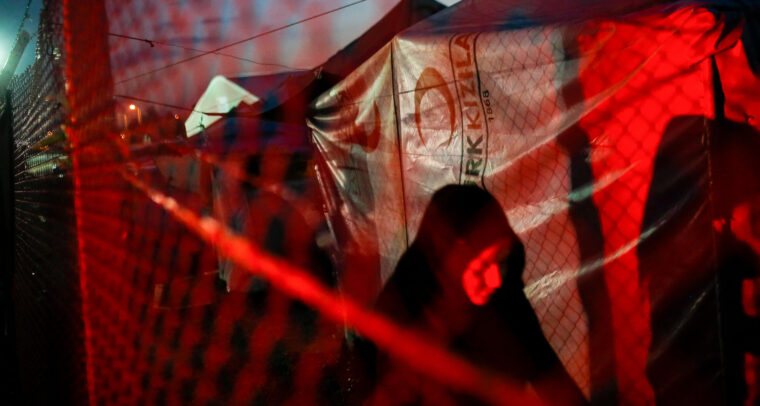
(431, 79)
(369, 142)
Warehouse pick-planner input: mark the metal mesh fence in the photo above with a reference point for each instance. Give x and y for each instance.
(597, 144)
(604, 295)
(169, 319)
(152, 257)
(48, 329)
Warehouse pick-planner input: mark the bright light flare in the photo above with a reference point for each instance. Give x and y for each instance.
(132, 107)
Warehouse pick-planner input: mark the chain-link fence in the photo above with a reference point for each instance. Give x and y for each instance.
(156, 268)
(47, 328)
(596, 137)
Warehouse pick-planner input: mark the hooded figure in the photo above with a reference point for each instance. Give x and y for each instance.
(460, 283)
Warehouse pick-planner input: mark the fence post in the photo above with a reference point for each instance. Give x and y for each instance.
(89, 90)
(8, 358)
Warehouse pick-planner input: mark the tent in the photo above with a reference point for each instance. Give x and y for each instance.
(253, 94)
(618, 139)
(220, 97)
(285, 96)
(243, 117)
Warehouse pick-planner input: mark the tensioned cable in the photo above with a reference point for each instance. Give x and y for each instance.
(213, 51)
(153, 42)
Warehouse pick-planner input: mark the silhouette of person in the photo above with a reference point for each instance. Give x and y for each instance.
(460, 283)
(693, 263)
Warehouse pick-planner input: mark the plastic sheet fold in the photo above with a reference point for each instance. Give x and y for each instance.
(605, 143)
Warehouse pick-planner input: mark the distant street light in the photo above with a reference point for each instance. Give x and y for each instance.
(139, 113)
(129, 123)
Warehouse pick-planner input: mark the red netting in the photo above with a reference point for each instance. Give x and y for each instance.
(246, 258)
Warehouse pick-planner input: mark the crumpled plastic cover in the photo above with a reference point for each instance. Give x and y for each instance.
(601, 142)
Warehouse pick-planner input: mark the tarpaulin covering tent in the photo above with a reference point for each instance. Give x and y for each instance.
(286, 95)
(220, 97)
(253, 118)
(621, 148)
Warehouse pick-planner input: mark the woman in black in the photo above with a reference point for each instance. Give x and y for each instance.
(460, 283)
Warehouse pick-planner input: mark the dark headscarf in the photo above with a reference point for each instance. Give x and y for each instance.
(503, 335)
(461, 221)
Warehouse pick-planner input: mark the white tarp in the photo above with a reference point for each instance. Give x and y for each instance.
(221, 96)
(562, 123)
